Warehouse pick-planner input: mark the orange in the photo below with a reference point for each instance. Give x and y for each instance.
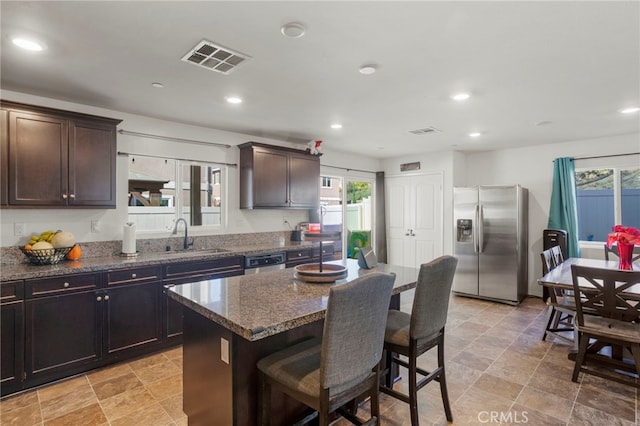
(27, 247)
(75, 253)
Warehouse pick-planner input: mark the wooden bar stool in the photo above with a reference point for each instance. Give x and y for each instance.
(413, 334)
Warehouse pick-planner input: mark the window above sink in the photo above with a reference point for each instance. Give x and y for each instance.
(162, 190)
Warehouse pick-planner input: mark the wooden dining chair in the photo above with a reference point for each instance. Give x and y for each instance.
(327, 373)
(607, 292)
(562, 308)
(614, 250)
(411, 335)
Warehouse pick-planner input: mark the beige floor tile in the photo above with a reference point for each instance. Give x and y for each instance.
(90, 415)
(127, 402)
(600, 398)
(152, 415)
(472, 360)
(173, 406)
(109, 373)
(116, 385)
(495, 361)
(584, 415)
(62, 388)
(166, 387)
(147, 361)
(26, 415)
(498, 386)
(18, 401)
(157, 371)
(67, 402)
(546, 403)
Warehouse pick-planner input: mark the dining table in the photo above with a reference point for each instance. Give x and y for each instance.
(561, 277)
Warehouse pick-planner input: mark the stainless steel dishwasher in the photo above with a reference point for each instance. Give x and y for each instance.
(264, 262)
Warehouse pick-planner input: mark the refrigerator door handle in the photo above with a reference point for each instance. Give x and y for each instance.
(480, 229)
(475, 231)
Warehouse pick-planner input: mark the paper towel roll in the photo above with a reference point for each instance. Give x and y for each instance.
(129, 238)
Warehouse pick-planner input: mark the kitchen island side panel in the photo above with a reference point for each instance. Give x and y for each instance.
(227, 394)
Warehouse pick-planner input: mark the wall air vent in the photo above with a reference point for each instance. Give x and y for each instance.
(214, 57)
(424, 131)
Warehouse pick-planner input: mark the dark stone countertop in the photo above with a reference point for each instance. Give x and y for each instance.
(261, 305)
(20, 271)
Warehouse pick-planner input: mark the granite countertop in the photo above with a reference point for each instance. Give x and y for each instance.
(261, 305)
(19, 271)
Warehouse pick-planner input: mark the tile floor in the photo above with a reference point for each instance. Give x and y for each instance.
(497, 369)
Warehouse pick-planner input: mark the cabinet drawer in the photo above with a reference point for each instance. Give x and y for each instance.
(303, 254)
(129, 276)
(205, 269)
(11, 291)
(327, 251)
(60, 285)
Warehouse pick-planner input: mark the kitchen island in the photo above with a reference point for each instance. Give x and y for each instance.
(230, 323)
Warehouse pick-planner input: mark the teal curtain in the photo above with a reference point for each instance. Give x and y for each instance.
(563, 212)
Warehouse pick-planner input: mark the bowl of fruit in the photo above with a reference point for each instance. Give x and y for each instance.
(49, 248)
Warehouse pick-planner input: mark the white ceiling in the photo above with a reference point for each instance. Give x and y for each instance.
(571, 64)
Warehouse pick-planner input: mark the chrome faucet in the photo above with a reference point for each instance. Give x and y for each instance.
(175, 231)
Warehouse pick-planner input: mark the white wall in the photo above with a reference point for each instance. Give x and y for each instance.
(532, 167)
(112, 220)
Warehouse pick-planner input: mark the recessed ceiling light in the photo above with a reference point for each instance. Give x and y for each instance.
(336, 126)
(474, 134)
(460, 96)
(368, 69)
(233, 100)
(27, 44)
(157, 85)
(293, 29)
(629, 110)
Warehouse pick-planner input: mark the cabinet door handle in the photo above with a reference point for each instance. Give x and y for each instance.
(72, 195)
(133, 275)
(99, 298)
(64, 196)
(106, 297)
(65, 285)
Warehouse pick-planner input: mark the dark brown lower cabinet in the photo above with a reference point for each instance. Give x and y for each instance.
(173, 318)
(186, 272)
(133, 320)
(63, 335)
(60, 326)
(12, 345)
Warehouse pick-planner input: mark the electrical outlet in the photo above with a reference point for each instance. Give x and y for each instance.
(284, 220)
(95, 226)
(19, 229)
(224, 350)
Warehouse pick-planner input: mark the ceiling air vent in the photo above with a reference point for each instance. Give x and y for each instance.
(214, 57)
(424, 131)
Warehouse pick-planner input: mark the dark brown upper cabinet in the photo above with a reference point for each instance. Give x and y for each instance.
(278, 177)
(57, 158)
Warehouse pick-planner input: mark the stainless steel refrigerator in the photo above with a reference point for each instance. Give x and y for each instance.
(491, 242)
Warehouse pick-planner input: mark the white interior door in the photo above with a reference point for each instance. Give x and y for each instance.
(414, 219)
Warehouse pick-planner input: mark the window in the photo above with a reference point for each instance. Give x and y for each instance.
(326, 182)
(606, 197)
(162, 190)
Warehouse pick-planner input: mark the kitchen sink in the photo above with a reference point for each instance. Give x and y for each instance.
(197, 251)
